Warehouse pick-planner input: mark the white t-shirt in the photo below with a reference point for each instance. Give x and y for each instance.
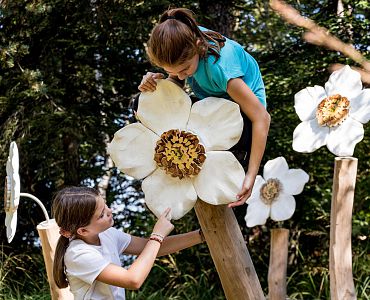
(84, 262)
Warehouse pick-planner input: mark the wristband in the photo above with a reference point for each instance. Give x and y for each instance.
(158, 235)
(154, 238)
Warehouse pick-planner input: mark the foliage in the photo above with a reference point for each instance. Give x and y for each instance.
(22, 276)
(68, 72)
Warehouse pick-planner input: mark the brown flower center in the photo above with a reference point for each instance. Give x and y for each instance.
(270, 190)
(179, 153)
(332, 111)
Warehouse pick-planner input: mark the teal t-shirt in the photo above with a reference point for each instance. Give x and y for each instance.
(211, 78)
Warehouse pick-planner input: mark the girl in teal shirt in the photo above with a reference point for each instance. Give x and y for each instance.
(213, 66)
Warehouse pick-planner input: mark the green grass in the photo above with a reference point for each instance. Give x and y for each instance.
(22, 276)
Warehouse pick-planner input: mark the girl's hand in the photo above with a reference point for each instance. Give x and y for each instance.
(245, 192)
(163, 225)
(148, 83)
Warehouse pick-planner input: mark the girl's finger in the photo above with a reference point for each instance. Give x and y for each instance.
(167, 213)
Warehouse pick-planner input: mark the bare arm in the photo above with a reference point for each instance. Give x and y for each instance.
(170, 244)
(135, 275)
(260, 119)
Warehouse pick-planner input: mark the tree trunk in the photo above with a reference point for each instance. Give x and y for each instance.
(71, 160)
(229, 252)
(218, 16)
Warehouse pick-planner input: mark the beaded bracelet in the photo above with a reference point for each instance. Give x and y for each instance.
(157, 234)
(154, 238)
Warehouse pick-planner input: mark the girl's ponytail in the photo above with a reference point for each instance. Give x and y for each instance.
(173, 43)
(59, 274)
(73, 208)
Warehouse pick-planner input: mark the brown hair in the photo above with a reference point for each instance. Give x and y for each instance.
(174, 39)
(73, 207)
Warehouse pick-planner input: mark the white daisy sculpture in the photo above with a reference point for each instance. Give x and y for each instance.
(179, 149)
(12, 191)
(272, 194)
(332, 116)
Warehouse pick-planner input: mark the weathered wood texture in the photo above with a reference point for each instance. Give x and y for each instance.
(278, 264)
(340, 253)
(49, 234)
(229, 252)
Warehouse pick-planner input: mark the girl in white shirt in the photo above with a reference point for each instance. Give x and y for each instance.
(87, 253)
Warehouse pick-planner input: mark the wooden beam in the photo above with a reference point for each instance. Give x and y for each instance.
(278, 264)
(340, 252)
(229, 252)
(49, 235)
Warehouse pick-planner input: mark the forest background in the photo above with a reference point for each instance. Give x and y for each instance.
(68, 70)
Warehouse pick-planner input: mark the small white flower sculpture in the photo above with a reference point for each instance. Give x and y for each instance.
(12, 191)
(272, 194)
(180, 149)
(332, 116)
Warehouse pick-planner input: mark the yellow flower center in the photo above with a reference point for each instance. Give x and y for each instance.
(270, 190)
(179, 153)
(332, 111)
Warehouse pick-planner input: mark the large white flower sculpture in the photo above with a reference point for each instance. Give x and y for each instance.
(180, 150)
(272, 194)
(12, 191)
(333, 115)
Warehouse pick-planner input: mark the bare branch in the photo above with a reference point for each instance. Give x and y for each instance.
(320, 36)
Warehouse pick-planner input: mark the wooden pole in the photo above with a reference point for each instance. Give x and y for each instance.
(278, 264)
(49, 234)
(229, 252)
(340, 252)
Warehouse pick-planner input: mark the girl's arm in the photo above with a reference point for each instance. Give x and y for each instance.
(135, 275)
(170, 244)
(260, 118)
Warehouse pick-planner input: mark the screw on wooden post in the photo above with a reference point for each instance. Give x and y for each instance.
(340, 252)
(229, 252)
(278, 264)
(49, 235)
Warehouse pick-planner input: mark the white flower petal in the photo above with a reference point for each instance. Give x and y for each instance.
(11, 225)
(343, 138)
(283, 207)
(345, 82)
(360, 107)
(14, 157)
(217, 121)
(257, 213)
(255, 195)
(220, 179)
(168, 107)
(306, 101)
(275, 168)
(132, 150)
(293, 181)
(162, 191)
(309, 136)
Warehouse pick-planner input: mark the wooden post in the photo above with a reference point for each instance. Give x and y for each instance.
(278, 264)
(229, 252)
(340, 253)
(49, 234)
